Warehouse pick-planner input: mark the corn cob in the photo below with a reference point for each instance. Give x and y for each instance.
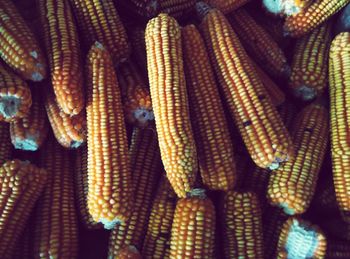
(293, 185)
(259, 44)
(260, 126)
(81, 188)
(310, 62)
(136, 97)
(129, 252)
(276, 94)
(339, 81)
(242, 226)
(21, 184)
(141, 8)
(176, 8)
(138, 44)
(110, 194)
(337, 249)
(23, 246)
(144, 152)
(15, 96)
(215, 149)
(157, 239)
(227, 6)
(337, 228)
(56, 230)
(301, 239)
(63, 51)
(99, 21)
(193, 229)
(325, 199)
(18, 46)
(70, 132)
(30, 132)
(287, 112)
(5, 143)
(311, 17)
(286, 7)
(170, 102)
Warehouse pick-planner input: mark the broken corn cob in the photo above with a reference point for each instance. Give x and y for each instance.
(157, 239)
(29, 132)
(293, 185)
(242, 226)
(227, 6)
(170, 102)
(259, 123)
(259, 44)
(312, 16)
(310, 63)
(144, 152)
(56, 230)
(110, 190)
(18, 46)
(300, 239)
(212, 136)
(63, 51)
(135, 94)
(99, 21)
(15, 95)
(193, 229)
(69, 131)
(21, 184)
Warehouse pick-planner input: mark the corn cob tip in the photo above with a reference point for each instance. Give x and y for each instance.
(202, 9)
(9, 105)
(99, 45)
(107, 224)
(143, 116)
(273, 6)
(276, 163)
(76, 144)
(287, 210)
(305, 93)
(196, 193)
(287, 7)
(152, 8)
(30, 143)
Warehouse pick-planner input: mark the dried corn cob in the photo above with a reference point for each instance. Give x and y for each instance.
(23, 245)
(30, 132)
(70, 132)
(259, 44)
(215, 149)
(81, 188)
(286, 7)
(137, 38)
(312, 16)
(21, 184)
(129, 252)
(176, 8)
(56, 230)
(193, 229)
(242, 226)
(157, 239)
(301, 239)
(227, 6)
(99, 21)
(136, 97)
(262, 130)
(169, 101)
(339, 72)
(63, 51)
(293, 185)
(277, 96)
(15, 96)
(287, 112)
(310, 62)
(18, 46)
(110, 180)
(5, 142)
(144, 152)
(140, 8)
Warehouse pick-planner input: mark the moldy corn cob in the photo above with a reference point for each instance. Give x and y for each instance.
(193, 229)
(170, 102)
(144, 152)
(99, 20)
(212, 136)
(5, 142)
(286, 7)
(156, 244)
(135, 94)
(15, 95)
(242, 226)
(56, 230)
(312, 16)
(18, 46)
(293, 185)
(21, 184)
(29, 132)
(310, 63)
(63, 52)
(260, 126)
(259, 44)
(110, 190)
